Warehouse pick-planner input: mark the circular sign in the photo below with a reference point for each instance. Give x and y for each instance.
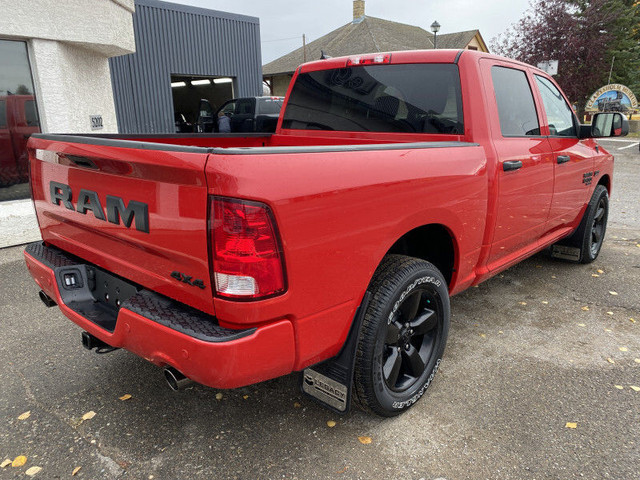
(612, 98)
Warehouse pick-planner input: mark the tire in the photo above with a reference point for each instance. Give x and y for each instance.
(403, 335)
(589, 235)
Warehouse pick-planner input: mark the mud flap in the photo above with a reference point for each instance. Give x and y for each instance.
(565, 252)
(330, 383)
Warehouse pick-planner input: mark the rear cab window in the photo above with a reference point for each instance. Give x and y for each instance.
(268, 106)
(411, 98)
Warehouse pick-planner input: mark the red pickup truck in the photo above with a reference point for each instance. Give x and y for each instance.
(330, 247)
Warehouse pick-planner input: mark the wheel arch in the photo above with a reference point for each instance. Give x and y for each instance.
(605, 181)
(434, 243)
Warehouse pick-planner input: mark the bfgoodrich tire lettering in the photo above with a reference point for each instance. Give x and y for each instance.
(403, 335)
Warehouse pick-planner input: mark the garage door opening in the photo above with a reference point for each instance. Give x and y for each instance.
(196, 99)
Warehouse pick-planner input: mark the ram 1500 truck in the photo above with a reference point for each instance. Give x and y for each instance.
(330, 247)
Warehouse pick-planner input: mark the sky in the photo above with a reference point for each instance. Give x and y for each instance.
(282, 22)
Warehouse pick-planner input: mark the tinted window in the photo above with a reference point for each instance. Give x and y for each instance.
(31, 114)
(244, 106)
(270, 105)
(379, 98)
(229, 108)
(516, 108)
(559, 114)
(3, 114)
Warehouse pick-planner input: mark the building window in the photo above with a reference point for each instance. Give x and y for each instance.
(18, 119)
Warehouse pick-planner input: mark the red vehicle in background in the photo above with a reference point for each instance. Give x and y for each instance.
(330, 247)
(18, 120)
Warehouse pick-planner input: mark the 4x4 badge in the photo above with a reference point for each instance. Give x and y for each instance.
(188, 280)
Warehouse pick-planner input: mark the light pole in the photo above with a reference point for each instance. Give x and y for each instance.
(435, 28)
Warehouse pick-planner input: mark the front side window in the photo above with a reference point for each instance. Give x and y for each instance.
(559, 114)
(516, 108)
(415, 98)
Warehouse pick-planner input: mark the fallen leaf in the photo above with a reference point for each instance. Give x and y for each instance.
(75, 471)
(544, 302)
(33, 471)
(572, 425)
(365, 440)
(88, 415)
(553, 276)
(218, 396)
(523, 303)
(245, 396)
(600, 271)
(595, 275)
(124, 397)
(500, 332)
(331, 423)
(638, 245)
(483, 335)
(632, 320)
(538, 266)
(623, 349)
(613, 293)
(581, 325)
(610, 360)
(296, 405)
(25, 415)
(609, 313)
(19, 461)
(637, 360)
(607, 329)
(6, 463)
(634, 388)
(619, 387)
(585, 309)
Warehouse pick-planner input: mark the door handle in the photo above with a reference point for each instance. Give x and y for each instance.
(563, 158)
(511, 165)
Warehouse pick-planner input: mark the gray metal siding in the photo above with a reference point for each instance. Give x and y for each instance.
(182, 40)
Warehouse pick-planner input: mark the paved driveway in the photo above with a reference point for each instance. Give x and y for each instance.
(543, 344)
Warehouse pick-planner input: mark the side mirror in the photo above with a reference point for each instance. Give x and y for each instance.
(609, 125)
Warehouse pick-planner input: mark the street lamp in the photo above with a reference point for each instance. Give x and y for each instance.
(435, 28)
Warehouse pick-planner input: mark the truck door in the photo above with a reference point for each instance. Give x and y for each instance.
(524, 173)
(572, 157)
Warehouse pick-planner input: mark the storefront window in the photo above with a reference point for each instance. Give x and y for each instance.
(18, 119)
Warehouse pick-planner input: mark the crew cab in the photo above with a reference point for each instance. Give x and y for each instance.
(332, 246)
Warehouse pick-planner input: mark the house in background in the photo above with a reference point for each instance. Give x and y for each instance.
(364, 35)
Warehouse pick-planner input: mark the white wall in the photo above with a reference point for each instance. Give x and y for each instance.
(70, 42)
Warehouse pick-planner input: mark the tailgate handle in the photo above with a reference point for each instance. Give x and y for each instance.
(82, 162)
(563, 158)
(511, 165)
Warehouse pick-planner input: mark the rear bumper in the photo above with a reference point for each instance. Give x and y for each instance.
(166, 332)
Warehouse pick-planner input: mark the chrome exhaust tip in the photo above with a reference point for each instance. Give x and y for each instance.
(175, 379)
(46, 299)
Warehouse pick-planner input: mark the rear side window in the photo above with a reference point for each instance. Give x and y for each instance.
(3, 114)
(416, 98)
(270, 105)
(559, 113)
(516, 109)
(244, 106)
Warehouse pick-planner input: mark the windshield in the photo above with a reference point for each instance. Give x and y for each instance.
(420, 98)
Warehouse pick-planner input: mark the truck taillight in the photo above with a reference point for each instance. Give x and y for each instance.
(247, 258)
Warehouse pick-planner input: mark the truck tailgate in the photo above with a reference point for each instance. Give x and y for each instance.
(137, 210)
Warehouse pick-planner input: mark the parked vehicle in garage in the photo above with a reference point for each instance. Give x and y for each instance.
(330, 247)
(252, 114)
(18, 120)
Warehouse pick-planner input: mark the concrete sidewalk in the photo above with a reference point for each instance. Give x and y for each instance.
(18, 223)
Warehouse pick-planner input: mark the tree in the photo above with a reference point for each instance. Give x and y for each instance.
(583, 36)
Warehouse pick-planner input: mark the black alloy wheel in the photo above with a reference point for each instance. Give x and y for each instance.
(403, 335)
(410, 340)
(599, 226)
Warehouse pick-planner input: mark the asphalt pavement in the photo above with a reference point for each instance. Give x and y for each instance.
(539, 349)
